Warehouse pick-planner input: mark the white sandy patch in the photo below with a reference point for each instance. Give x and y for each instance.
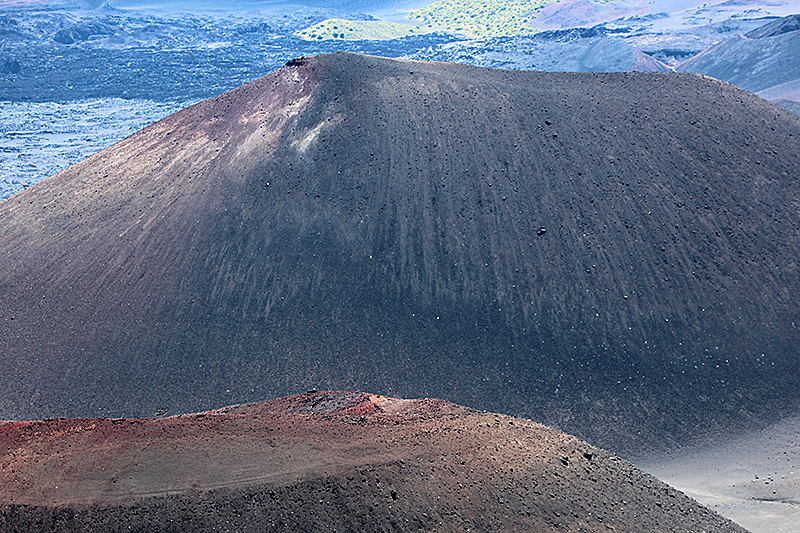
(302, 144)
(754, 480)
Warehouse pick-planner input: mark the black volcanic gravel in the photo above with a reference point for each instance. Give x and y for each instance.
(613, 254)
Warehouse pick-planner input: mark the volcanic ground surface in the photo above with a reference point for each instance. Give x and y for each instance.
(327, 461)
(613, 254)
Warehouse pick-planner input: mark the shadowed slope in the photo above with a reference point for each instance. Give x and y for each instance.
(264, 467)
(615, 254)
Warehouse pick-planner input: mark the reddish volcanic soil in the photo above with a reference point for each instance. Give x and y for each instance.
(327, 461)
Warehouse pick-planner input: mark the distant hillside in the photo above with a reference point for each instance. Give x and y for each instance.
(577, 50)
(765, 61)
(481, 18)
(791, 105)
(776, 27)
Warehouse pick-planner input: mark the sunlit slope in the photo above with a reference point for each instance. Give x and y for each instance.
(482, 18)
(354, 30)
(472, 18)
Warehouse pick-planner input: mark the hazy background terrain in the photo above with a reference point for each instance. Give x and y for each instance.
(105, 69)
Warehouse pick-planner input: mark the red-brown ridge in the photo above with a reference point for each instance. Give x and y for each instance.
(332, 461)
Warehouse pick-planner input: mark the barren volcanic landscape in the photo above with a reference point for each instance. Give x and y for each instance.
(327, 461)
(612, 254)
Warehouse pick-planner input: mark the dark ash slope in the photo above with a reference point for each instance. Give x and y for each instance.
(613, 254)
(400, 465)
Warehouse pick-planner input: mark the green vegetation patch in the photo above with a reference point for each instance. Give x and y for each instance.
(481, 18)
(357, 30)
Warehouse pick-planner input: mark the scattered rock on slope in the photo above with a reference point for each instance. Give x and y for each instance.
(351, 222)
(267, 467)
